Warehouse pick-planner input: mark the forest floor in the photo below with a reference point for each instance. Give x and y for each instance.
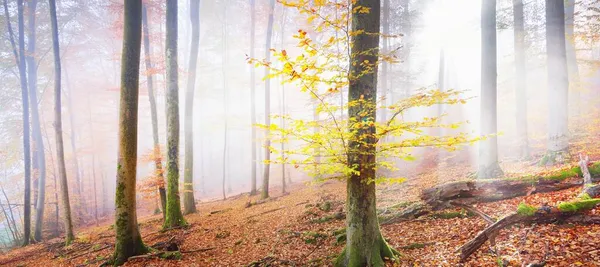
(297, 229)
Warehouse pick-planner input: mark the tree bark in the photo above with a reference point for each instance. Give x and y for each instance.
(488, 149)
(253, 98)
(153, 114)
(572, 66)
(128, 239)
(189, 205)
(365, 246)
(38, 158)
(26, 141)
(174, 217)
(60, 155)
(558, 83)
(520, 79)
(265, 186)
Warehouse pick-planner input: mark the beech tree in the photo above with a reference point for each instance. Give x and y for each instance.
(558, 84)
(60, 154)
(128, 239)
(38, 157)
(520, 78)
(488, 148)
(265, 185)
(174, 217)
(153, 113)
(189, 205)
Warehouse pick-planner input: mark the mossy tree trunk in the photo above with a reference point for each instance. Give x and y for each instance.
(488, 149)
(153, 114)
(39, 159)
(189, 206)
(128, 239)
(174, 216)
(265, 186)
(365, 246)
(60, 154)
(521, 78)
(558, 83)
(253, 98)
(26, 141)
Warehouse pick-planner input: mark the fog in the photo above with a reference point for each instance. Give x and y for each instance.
(91, 39)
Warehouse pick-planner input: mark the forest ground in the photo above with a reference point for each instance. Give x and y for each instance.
(297, 230)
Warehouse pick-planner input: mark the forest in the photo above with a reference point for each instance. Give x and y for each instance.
(260, 133)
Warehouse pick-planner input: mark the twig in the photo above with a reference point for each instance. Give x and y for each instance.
(472, 209)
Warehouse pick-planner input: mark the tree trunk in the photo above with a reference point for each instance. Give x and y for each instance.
(78, 182)
(521, 79)
(60, 156)
(573, 69)
(26, 142)
(385, 66)
(282, 104)
(225, 88)
(151, 96)
(189, 206)
(365, 246)
(38, 158)
(558, 83)
(265, 186)
(253, 98)
(488, 149)
(93, 159)
(128, 239)
(174, 217)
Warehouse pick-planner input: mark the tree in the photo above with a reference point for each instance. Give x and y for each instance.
(224, 59)
(520, 78)
(128, 239)
(189, 205)
(151, 96)
(265, 186)
(174, 217)
(253, 98)
(572, 67)
(26, 143)
(38, 159)
(60, 155)
(488, 149)
(558, 83)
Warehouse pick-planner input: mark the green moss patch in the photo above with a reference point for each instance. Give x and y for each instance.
(526, 210)
(575, 206)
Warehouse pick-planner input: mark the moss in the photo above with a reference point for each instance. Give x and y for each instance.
(526, 210)
(313, 237)
(336, 216)
(326, 206)
(451, 214)
(170, 255)
(575, 206)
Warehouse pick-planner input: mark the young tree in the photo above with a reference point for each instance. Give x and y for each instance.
(174, 217)
(520, 78)
(38, 159)
(26, 143)
(153, 114)
(189, 205)
(558, 83)
(253, 97)
(60, 155)
(572, 66)
(265, 185)
(128, 239)
(488, 149)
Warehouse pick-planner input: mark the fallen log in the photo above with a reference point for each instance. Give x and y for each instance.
(563, 212)
(478, 191)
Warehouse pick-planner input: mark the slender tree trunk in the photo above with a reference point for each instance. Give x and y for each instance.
(128, 239)
(60, 156)
(38, 157)
(384, 64)
(8, 224)
(253, 97)
(174, 217)
(282, 103)
(189, 205)
(151, 96)
(54, 174)
(521, 79)
(572, 57)
(488, 149)
(558, 83)
(365, 246)
(78, 181)
(26, 142)
(93, 159)
(12, 216)
(265, 186)
(224, 62)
